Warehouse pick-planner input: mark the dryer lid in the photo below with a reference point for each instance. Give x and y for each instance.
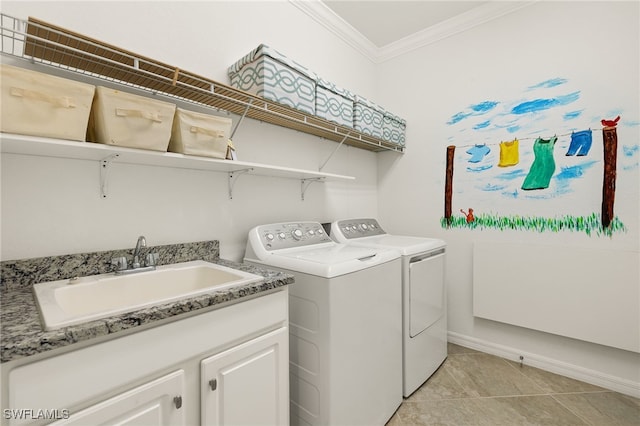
(406, 245)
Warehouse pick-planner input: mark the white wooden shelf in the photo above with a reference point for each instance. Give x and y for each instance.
(107, 154)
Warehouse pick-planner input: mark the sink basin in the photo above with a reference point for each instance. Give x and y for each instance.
(67, 302)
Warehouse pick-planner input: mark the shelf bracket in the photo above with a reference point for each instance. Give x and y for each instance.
(105, 165)
(334, 151)
(233, 176)
(244, 114)
(304, 184)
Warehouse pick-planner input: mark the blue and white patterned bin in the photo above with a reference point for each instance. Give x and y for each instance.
(268, 73)
(367, 117)
(333, 103)
(393, 128)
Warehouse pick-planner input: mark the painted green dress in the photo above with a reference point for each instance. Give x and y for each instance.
(543, 166)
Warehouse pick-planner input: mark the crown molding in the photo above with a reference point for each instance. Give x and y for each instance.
(329, 19)
(450, 27)
(334, 23)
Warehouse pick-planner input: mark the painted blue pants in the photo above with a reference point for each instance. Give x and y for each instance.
(580, 143)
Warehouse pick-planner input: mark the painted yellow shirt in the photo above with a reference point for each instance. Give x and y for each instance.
(509, 153)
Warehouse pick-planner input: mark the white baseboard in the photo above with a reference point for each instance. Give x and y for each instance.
(586, 375)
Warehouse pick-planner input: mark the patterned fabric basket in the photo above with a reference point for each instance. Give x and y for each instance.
(333, 103)
(393, 128)
(271, 75)
(368, 117)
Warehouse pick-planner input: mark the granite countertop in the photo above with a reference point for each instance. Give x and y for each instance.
(22, 333)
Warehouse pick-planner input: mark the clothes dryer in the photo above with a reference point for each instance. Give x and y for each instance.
(345, 345)
(424, 308)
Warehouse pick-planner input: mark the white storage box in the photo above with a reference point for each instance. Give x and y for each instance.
(393, 128)
(124, 119)
(368, 117)
(268, 73)
(39, 104)
(195, 133)
(333, 103)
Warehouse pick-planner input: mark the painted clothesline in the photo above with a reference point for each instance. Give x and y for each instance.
(610, 144)
(526, 139)
(581, 142)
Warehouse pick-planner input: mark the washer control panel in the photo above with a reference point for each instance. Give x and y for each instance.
(279, 236)
(358, 228)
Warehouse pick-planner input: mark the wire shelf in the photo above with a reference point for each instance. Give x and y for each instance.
(40, 42)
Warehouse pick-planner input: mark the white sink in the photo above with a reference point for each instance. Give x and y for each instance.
(67, 302)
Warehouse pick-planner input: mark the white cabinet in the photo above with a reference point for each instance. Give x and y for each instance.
(158, 402)
(243, 385)
(162, 375)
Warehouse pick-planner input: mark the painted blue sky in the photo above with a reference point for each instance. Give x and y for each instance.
(518, 117)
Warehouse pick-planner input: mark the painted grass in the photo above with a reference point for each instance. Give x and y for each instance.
(588, 224)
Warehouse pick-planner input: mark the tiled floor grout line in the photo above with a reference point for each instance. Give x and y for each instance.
(466, 391)
(476, 397)
(584, 419)
(519, 370)
(542, 392)
(452, 384)
(509, 363)
(581, 392)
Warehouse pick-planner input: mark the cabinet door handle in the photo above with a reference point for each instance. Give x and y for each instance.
(213, 383)
(177, 400)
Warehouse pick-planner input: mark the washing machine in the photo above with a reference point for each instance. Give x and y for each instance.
(424, 308)
(345, 341)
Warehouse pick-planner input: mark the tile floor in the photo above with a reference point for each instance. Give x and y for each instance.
(477, 389)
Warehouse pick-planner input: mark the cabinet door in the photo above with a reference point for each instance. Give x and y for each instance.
(155, 403)
(248, 384)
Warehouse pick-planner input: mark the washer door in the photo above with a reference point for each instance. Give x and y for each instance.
(426, 290)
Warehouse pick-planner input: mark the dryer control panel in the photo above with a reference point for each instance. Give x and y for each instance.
(358, 228)
(279, 236)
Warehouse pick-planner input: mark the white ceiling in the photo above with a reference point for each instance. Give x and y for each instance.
(383, 29)
(385, 22)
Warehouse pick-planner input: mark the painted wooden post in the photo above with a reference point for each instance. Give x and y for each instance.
(448, 183)
(610, 142)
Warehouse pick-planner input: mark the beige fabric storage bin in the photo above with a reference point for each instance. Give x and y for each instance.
(38, 104)
(124, 119)
(195, 133)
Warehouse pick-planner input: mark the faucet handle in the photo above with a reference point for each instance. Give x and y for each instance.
(152, 259)
(120, 263)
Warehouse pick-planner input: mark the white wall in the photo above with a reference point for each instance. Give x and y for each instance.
(53, 206)
(594, 44)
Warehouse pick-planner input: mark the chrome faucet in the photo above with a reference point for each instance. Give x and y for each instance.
(142, 242)
(150, 263)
